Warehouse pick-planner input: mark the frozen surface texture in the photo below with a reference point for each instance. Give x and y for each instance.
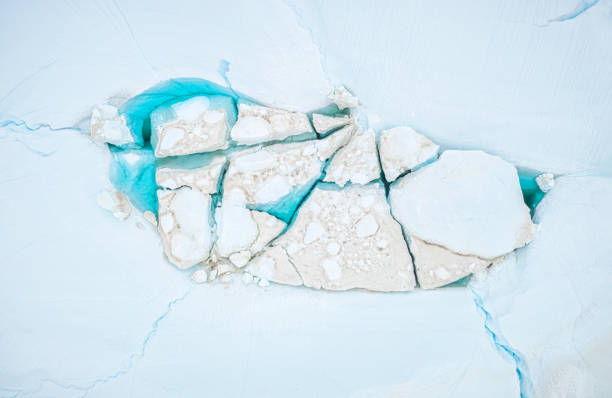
(91, 307)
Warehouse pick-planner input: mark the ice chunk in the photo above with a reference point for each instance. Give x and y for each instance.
(277, 176)
(402, 149)
(257, 124)
(198, 124)
(323, 123)
(346, 238)
(107, 126)
(115, 202)
(184, 225)
(468, 201)
(545, 181)
(203, 178)
(356, 163)
(343, 98)
(236, 229)
(437, 266)
(242, 232)
(200, 276)
(274, 265)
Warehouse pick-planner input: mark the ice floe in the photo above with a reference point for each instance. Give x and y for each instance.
(197, 124)
(402, 149)
(469, 202)
(257, 124)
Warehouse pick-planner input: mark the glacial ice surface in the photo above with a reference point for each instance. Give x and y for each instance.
(92, 308)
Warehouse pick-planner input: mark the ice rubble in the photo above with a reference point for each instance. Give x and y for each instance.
(259, 193)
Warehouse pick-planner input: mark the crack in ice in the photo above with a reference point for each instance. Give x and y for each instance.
(85, 389)
(582, 7)
(301, 23)
(504, 347)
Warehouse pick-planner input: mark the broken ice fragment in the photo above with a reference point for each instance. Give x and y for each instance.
(276, 177)
(274, 265)
(197, 124)
(202, 178)
(545, 182)
(323, 124)
(116, 203)
(150, 217)
(184, 225)
(200, 276)
(402, 149)
(257, 124)
(242, 232)
(343, 98)
(345, 239)
(356, 162)
(132, 172)
(437, 266)
(107, 126)
(468, 201)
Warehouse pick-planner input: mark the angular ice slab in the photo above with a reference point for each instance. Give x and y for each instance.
(402, 149)
(343, 98)
(257, 124)
(437, 266)
(469, 202)
(324, 124)
(107, 126)
(203, 178)
(268, 178)
(356, 163)
(241, 232)
(185, 225)
(197, 124)
(345, 239)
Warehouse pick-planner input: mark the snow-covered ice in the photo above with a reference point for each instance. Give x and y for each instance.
(469, 202)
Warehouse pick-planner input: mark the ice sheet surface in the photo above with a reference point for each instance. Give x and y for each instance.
(91, 308)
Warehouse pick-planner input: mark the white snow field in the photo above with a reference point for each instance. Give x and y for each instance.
(91, 307)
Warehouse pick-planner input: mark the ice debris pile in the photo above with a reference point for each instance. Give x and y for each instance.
(235, 187)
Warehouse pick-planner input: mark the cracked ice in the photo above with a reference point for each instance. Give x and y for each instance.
(257, 192)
